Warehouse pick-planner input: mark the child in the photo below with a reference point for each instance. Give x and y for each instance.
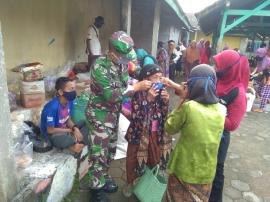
(147, 142)
(264, 91)
(56, 123)
(192, 165)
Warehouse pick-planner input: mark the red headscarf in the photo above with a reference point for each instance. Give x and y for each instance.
(236, 76)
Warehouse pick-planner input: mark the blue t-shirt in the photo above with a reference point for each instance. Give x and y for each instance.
(55, 114)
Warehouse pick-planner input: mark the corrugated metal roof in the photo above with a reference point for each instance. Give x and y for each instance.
(179, 12)
(210, 18)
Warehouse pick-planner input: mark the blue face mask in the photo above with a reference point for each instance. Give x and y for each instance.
(70, 96)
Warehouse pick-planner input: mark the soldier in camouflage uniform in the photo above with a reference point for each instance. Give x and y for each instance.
(109, 79)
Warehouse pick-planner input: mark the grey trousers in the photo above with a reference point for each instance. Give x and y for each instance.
(65, 140)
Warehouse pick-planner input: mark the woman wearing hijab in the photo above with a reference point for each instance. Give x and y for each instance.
(205, 53)
(233, 77)
(163, 59)
(144, 58)
(147, 143)
(191, 57)
(200, 119)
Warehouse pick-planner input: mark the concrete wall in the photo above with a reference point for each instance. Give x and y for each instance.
(169, 30)
(29, 26)
(7, 164)
(142, 14)
(81, 14)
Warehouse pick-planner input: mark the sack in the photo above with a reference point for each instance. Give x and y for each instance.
(79, 105)
(151, 186)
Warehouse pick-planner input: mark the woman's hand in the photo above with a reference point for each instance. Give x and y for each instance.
(152, 94)
(142, 85)
(165, 96)
(168, 82)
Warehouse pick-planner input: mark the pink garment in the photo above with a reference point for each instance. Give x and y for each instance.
(237, 76)
(205, 56)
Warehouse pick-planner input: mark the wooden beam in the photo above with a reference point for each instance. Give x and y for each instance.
(246, 16)
(255, 24)
(245, 12)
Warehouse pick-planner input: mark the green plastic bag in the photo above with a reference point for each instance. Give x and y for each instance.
(79, 105)
(151, 186)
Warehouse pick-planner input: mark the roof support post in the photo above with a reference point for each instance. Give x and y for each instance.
(222, 28)
(156, 23)
(8, 179)
(126, 15)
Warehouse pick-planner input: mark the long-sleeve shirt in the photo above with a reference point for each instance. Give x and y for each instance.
(236, 111)
(194, 158)
(108, 85)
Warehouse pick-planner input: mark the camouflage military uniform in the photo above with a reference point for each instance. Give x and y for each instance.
(108, 83)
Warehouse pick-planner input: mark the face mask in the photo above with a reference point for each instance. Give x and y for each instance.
(220, 74)
(70, 96)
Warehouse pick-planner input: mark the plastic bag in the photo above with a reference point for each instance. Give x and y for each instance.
(49, 82)
(12, 101)
(23, 152)
(63, 71)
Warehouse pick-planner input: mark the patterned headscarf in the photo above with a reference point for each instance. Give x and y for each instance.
(149, 70)
(202, 84)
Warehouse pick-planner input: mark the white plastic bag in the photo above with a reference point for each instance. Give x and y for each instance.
(23, 152)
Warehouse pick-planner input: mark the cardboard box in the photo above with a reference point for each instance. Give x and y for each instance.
(32, 71)
(32, 100)
(32, 87)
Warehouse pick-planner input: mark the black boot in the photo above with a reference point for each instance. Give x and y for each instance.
(110, 186)
(98, 195)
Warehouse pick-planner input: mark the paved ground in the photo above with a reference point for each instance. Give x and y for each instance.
(247, 169)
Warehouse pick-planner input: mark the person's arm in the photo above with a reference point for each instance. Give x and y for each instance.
(52, 130)
(177, 56)
(180, 89)
(88, 39)
(175, 120)
(112, 90)
(236, 111)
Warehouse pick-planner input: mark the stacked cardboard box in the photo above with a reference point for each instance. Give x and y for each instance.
(32, 88)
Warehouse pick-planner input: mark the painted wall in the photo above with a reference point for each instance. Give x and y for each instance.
(142, 17)
(52, 32)
(231, 41)
(169, 30)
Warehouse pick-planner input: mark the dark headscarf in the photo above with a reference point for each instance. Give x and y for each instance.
(202, 84)
(149, 70)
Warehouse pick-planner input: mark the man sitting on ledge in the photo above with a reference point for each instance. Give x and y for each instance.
(56, 123)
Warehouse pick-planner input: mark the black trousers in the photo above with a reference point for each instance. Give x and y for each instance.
(217, 187)
(172, 71)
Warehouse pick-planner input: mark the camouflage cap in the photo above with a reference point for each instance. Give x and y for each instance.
(122, 42)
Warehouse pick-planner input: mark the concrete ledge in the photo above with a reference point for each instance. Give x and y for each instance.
(54, 170)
